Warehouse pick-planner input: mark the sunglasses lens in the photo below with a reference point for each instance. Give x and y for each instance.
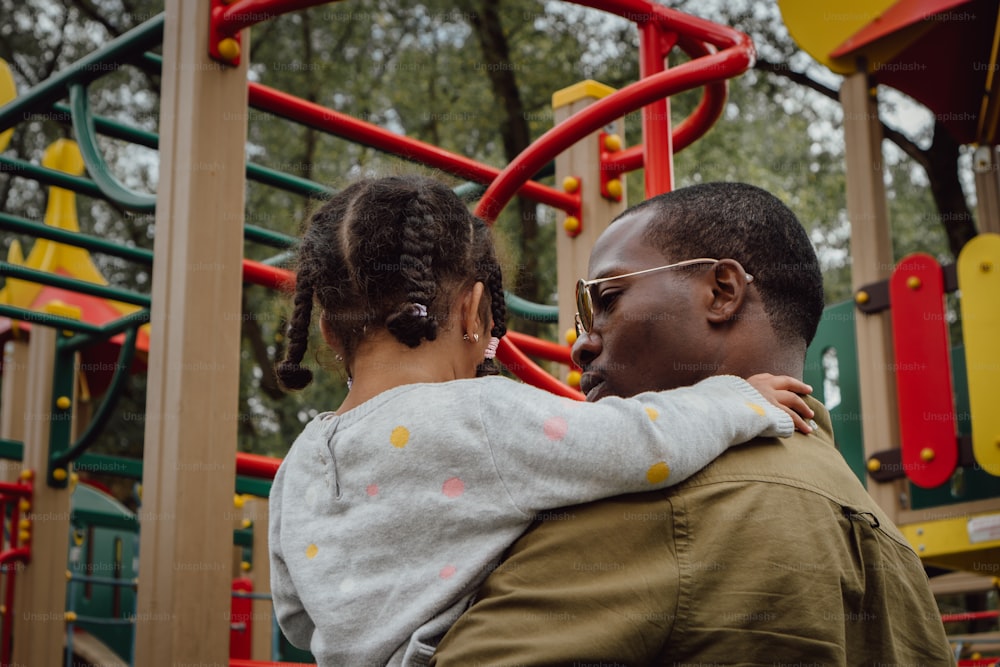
(584, 306)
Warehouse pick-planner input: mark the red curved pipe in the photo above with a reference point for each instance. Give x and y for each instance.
(368, 134)
(691, 74)
(541, 348)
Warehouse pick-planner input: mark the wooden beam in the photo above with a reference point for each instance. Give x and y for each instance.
(193, 387)
(40, 590)
(871, 261)
(12, 397)
(581, 161)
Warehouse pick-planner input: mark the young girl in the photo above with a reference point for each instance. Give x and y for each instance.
(387, 514)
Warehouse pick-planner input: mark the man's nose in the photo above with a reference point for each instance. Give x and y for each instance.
(586, 348)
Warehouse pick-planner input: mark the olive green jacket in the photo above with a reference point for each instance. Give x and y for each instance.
(773, 555)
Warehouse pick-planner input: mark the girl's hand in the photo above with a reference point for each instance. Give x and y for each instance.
(784, 391)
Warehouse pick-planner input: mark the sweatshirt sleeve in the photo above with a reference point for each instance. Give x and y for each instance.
(551, 451)
(292, 617)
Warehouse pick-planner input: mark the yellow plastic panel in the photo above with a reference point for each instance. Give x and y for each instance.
(979, 282)
(820, 27)
(7, 93)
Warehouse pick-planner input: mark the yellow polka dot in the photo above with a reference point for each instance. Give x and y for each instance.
(311, 551)
(658, 472)
(653, 414)
(400, 436)
(756, 408)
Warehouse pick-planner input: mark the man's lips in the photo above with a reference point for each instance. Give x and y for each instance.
(591, 383)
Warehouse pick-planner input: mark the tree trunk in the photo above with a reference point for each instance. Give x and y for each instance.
(484, 16)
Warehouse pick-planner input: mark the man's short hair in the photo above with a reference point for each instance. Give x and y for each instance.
(748, 224)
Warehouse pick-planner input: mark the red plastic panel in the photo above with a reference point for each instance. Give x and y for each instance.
(923, 371)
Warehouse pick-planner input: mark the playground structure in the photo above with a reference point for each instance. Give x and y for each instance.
(180, 606)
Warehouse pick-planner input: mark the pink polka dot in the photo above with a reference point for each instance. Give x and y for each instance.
(453, 487)
(372, 489)
(555, 428)
(447, 571)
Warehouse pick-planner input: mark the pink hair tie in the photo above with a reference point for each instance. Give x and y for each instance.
(491, 349)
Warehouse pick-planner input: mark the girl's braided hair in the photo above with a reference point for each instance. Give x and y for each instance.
(388, 253)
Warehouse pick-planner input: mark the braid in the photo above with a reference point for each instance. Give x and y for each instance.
(387, 254)
(412, 322)
(290, 372)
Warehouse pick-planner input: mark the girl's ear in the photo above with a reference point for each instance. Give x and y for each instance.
(332, 339)
(471, 315)
(729, 288)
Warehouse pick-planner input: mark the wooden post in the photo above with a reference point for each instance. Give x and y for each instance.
(12, 408)
(871, 261)
(191, 406)
(40, 590)
(581, 161)
(987, 170)
(255, 509)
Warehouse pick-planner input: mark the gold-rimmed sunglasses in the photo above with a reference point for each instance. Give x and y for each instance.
(585, 303)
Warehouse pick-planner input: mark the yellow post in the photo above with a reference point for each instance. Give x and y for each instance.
(191, 426)
(582, 162)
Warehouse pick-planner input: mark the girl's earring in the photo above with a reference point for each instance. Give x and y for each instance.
(474, 339)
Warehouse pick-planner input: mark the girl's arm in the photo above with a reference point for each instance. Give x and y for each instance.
(552, 452)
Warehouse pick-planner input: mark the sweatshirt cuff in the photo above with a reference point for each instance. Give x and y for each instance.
(782, 425)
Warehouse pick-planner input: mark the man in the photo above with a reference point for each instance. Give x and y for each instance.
(772, 555)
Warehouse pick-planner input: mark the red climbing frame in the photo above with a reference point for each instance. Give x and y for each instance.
(718, 53)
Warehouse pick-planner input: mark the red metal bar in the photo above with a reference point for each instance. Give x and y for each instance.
(259, 273)
(969, 616)
(234, 662)
(518, 363)
(368, 134)
(657, 140)
(246, 13)
(538, 347)
(255, 465)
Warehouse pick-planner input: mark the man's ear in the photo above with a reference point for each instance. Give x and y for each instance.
(471, 303)
(729, 287)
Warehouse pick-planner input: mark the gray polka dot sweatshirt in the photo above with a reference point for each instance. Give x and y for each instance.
(384, 520)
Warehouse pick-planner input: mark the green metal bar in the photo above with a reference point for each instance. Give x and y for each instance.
(288, 182)
(55, 280)
(111, 396)
(268, 237)
(295, 184)
(530, 310)
(106, 464)
(280, 259)
(11, 450)
(112, 128)
(92, 66)
(254, 487)
(113, 328)
(470, 192)
(60, 179)
(243, 537)
(47, 319)
(91, 518)
(77, 239)
(86, 139)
